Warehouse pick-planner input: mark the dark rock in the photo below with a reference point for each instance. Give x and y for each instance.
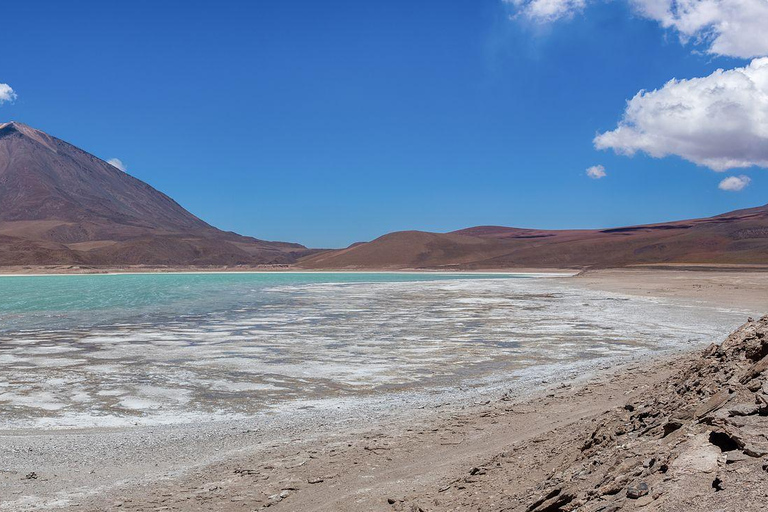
(671, 426)
(725, 441)
(711, 350)
(542, 499)
(637, 491)
(554, 504)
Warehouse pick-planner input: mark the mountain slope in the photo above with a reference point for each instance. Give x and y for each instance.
(62, 205)
(739, 237)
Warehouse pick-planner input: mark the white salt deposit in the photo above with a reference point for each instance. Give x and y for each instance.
(320, 341)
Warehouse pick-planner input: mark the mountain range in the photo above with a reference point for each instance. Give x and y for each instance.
(60, 205)
(735, 238)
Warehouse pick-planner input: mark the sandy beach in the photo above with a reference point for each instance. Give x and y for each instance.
(451, 449)
(728, 287)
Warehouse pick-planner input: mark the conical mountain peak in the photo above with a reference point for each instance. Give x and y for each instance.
(79, 208)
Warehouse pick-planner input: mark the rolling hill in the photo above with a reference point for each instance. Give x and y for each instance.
(736, 238)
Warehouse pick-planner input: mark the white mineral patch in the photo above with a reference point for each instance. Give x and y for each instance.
(42, 400)
(319, 342)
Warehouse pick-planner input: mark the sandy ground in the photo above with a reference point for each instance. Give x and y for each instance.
(428, 459)
(457, 454)
(319, 463)
(735, 288)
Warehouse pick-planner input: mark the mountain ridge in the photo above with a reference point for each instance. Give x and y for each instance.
(738, 237)
(60, 205)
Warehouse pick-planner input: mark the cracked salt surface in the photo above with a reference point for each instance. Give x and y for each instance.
(232, 348)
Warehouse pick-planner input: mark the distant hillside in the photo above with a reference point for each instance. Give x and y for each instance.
(739, 237)
(62, 205)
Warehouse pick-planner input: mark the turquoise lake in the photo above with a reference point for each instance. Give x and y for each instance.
(144, 349)
(67, 300)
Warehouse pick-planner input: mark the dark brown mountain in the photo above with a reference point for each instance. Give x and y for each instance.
(62, 205)
(734, 238)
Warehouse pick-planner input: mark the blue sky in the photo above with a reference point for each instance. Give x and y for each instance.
(327, 123)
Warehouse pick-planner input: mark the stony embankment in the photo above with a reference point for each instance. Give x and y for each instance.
(693, 439)
(695, 442)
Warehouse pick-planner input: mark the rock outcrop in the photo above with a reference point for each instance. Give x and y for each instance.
(698, 441)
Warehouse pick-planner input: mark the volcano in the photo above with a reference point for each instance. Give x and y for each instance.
(61, 205)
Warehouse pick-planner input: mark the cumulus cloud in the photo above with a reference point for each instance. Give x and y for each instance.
(719, 121)
(115, 162)
(6, 94)
(734, 183)
(735, 28)
(596, 172)
(545, 11)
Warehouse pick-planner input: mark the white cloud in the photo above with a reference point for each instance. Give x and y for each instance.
(736, 28)
(545, 11)
(6, 94)
(719, 121)
(734, 183)
(596, 172)
(115, 162)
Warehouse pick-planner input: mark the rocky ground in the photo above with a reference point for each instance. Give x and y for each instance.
(695, 441)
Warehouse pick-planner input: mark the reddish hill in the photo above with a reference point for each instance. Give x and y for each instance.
(739, 237)
(62, 205)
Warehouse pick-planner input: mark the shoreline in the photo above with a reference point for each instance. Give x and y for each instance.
(43, 270)
(389, 463)
(311, 272)
(279, 269)
(199, 454)
(326, 459)
(485, 454)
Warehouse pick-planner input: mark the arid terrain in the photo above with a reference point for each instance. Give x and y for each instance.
(735, 238)
(727, 287)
